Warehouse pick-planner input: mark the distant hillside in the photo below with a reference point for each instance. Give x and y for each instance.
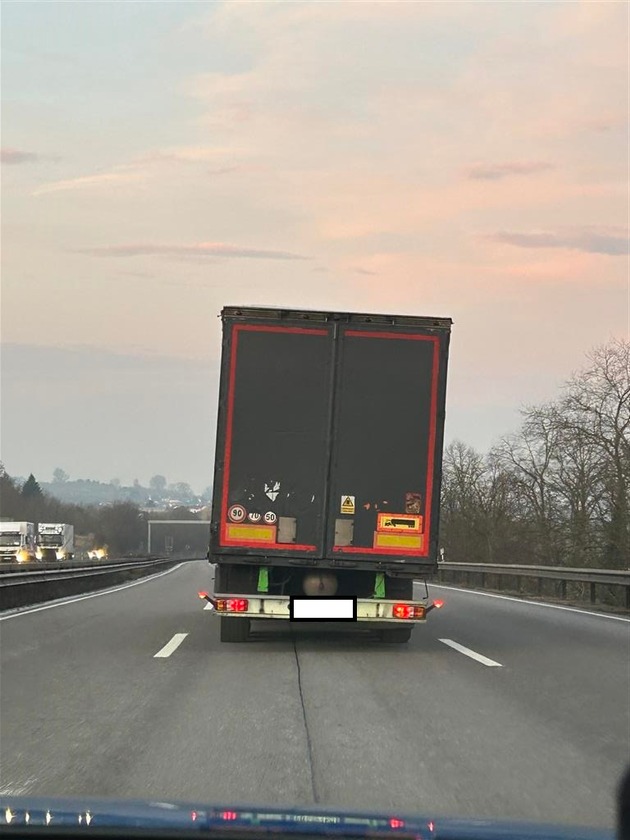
(89, 492)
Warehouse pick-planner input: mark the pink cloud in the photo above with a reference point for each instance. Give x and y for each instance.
(152, 166)
(17, 156)
(198, 249)
(611, 241)
(498, 171)
(103, 179)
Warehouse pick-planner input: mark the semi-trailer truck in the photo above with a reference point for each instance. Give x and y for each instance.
(327, 469)
(17, 542)
(55, 541)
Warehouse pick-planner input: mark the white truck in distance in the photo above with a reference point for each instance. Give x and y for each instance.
(17, 542)
(55, 541)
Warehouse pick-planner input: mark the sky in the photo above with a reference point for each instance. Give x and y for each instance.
(163, 160)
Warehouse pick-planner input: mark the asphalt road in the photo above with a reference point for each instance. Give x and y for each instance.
(496, 708)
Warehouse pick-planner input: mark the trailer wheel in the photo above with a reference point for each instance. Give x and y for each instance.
(397, 636)
(234, 629)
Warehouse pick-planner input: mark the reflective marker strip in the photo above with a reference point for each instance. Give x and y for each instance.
(471, 653)
(261, 533)
(393, 540)
(171, 646)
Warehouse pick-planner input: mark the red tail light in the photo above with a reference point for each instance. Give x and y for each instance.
(202, 595)
(402, 611)
(407, 611)
(232, 605)
(229, 815)
(394, 823)
(437, 604)
(238, 605)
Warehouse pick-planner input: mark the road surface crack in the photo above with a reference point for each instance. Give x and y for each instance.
(309, 743)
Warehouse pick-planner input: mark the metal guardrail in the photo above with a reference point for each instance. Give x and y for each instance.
(23, 587)
(37, 567)
(479, 575)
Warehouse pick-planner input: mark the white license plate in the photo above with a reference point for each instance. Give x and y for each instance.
(323, 609)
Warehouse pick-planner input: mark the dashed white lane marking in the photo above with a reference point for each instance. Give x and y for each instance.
(171, 647)
(65, 601)
(531, 603)
(18, 789)
(473, 654)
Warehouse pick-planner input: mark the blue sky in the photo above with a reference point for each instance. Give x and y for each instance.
(161, 160)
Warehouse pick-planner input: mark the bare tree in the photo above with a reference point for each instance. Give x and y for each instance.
(528, 457)
(463, 470)
(578, 473)
(598, 405)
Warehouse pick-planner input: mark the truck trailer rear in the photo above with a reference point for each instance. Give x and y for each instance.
(55, 541)
(328, 468)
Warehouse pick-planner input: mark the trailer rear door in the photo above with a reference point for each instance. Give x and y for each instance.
(389, 389)
(272, 448)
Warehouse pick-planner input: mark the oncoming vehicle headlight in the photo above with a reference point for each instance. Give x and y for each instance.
(22, 556)
(39, 554)
(59, 555)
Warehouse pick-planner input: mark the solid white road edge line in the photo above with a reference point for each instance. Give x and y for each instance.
(532, 603)
(66, 601)
(170, 647)
(473, 655)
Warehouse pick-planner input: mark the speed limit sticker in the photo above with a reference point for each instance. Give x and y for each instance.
(270, 518)
(237, 513)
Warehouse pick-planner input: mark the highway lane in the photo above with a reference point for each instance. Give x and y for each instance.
(296, 717)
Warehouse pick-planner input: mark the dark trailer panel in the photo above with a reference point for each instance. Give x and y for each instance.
(387, 444)
(330, 438)
(272, 444)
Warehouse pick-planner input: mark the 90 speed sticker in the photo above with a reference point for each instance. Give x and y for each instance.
(237, 513)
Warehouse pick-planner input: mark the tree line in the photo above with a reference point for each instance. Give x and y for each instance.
(121, 526)
(557, 491)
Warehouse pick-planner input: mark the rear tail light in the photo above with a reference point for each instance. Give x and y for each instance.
(229, 815)
(232, 605)
(395, 823)
(407, 611)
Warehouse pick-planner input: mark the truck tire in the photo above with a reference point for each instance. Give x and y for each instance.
(396, 636)
(234, 629)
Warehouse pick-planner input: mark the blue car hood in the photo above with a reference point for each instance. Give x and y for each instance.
(253, 820)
